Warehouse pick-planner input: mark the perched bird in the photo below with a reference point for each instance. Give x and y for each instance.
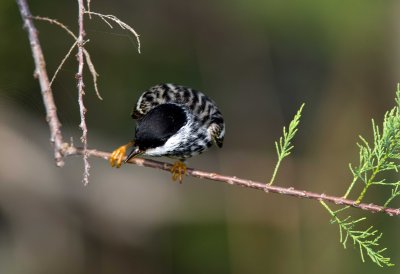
(173, 121)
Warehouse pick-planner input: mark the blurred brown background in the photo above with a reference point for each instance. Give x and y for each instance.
(259, 60)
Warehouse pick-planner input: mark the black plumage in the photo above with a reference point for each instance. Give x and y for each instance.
(159, 124)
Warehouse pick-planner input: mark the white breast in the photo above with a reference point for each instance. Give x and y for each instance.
(175, 141)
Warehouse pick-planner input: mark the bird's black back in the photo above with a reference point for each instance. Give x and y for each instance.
(160, 123)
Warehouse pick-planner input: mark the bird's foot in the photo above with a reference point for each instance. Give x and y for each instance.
(118, 155)
(178, 170)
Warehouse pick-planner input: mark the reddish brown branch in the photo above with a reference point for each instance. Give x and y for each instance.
(41, 73)
(233, 180)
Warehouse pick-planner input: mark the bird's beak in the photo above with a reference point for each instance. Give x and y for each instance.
(135, 152)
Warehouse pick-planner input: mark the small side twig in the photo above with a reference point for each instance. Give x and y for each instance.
(87, 55)
(88, 7)
(122, 25)
(62, 62)
(93, 71)
(55, 22)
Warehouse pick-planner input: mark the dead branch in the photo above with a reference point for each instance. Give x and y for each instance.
(92, 69)
(41, 74)
(122, 25)
(81, 91)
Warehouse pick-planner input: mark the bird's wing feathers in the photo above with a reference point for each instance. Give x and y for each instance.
(194, 100)
(161, 94)
(217, 132)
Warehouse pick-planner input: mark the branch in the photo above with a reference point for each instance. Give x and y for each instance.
(87, 55)
(41, 73)
(233, 180)
(121, 24)
(81, 92)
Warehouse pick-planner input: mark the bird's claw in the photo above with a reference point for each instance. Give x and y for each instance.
(118, 155)
(178, 170)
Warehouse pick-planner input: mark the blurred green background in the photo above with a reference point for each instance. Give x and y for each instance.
(259, 60)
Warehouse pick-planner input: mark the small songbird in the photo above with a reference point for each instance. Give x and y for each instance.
(173, 121)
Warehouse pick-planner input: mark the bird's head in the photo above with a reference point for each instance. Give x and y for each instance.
(155, 128)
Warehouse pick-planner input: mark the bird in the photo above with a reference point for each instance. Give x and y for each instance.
(173, 121)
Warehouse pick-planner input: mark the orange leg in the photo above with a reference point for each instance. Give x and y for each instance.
(119, 154)
(178, 170)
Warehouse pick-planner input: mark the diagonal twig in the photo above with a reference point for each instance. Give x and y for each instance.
(87, 55)
(62, 62)
(41, 73)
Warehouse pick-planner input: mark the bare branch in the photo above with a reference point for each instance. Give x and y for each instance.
(62, 62)
(88, 7)
(41, 74)
(121, 24)
(233, 180)
(55, 22)
(91, 66)
(81, 91)
(93, 71)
